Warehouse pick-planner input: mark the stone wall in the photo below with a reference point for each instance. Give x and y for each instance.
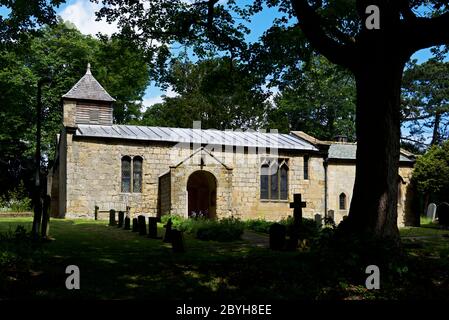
(341, 177)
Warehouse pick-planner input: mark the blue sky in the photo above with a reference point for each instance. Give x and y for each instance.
(82, 14)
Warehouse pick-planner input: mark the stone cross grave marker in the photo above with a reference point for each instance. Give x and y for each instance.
(168, 230)
(121, 218)
(152, 227)
(135, 227)
(297, 206)
(142, 225)
(112, 217)
(127, 223)
(432, 211)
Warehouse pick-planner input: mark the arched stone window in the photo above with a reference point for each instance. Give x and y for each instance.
(126, 174)
(131, 174)
(274, 180)
(342, 201)
(137, 174)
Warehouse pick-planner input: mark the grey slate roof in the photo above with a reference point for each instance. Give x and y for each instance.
(200, 136)
(88, 88)
(347, 151)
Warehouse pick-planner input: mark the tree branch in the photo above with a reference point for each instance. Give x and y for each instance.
(311, 24)
(428, 32)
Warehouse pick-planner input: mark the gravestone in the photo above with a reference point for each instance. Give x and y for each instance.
(297, 206)
(121, 218)
(112, 217)
(127, 223)
(330, 217)
(432, 211)
(177, 241)
(443, 214)
(152, 227)
(168, 230)
(277, 236)
(142, 225)
(135, 226)
(96, 212)
(318, 220)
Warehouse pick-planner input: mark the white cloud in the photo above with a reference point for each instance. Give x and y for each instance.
(149, 101)
(82, 14)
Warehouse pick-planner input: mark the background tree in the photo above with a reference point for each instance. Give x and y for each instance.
(337, 30)
(425, 102)
(431, 173)
(321, 102)
(216, 91)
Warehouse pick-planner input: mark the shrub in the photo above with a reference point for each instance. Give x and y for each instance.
(15, 200)
(310, 228)
(175, 219)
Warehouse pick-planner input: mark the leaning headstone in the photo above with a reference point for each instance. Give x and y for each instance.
(168, 230)
(177, 241)
(135, 226)
(152, 227)
(432, 211)
(142, 225)
(121, 218)
(277, 236)
(318, 219)
(112, 217)
(443, 214)
(127, 223)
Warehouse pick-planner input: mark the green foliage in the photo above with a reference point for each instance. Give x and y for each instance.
(431, 173)
(425, 101)
(218, 92)
(320, 102)
(309, 229)
(226, 229)
(15, 200)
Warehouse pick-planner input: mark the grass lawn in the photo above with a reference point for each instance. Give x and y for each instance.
(119, 264)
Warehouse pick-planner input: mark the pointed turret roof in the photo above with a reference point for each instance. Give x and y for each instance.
(88, 88)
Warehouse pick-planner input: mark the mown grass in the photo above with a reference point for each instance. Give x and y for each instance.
(119, 264)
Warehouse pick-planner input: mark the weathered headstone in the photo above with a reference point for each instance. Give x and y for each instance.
(277, 236)
(330, 219)
(135, 226)
(121, 218)
(432, 211)
(96, 212)
(443, 214)
(112, 217)
(127, 223)
(177, 241)
(318, 220)
(142, 225)
(152, 227)
(168, 230)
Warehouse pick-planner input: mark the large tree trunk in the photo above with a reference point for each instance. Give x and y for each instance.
(373, 208)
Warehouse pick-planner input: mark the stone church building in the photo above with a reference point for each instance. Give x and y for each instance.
(157, 170)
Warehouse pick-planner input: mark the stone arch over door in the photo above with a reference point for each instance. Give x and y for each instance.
(202, 194)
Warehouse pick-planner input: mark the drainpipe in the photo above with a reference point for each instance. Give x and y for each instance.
(325, 164)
